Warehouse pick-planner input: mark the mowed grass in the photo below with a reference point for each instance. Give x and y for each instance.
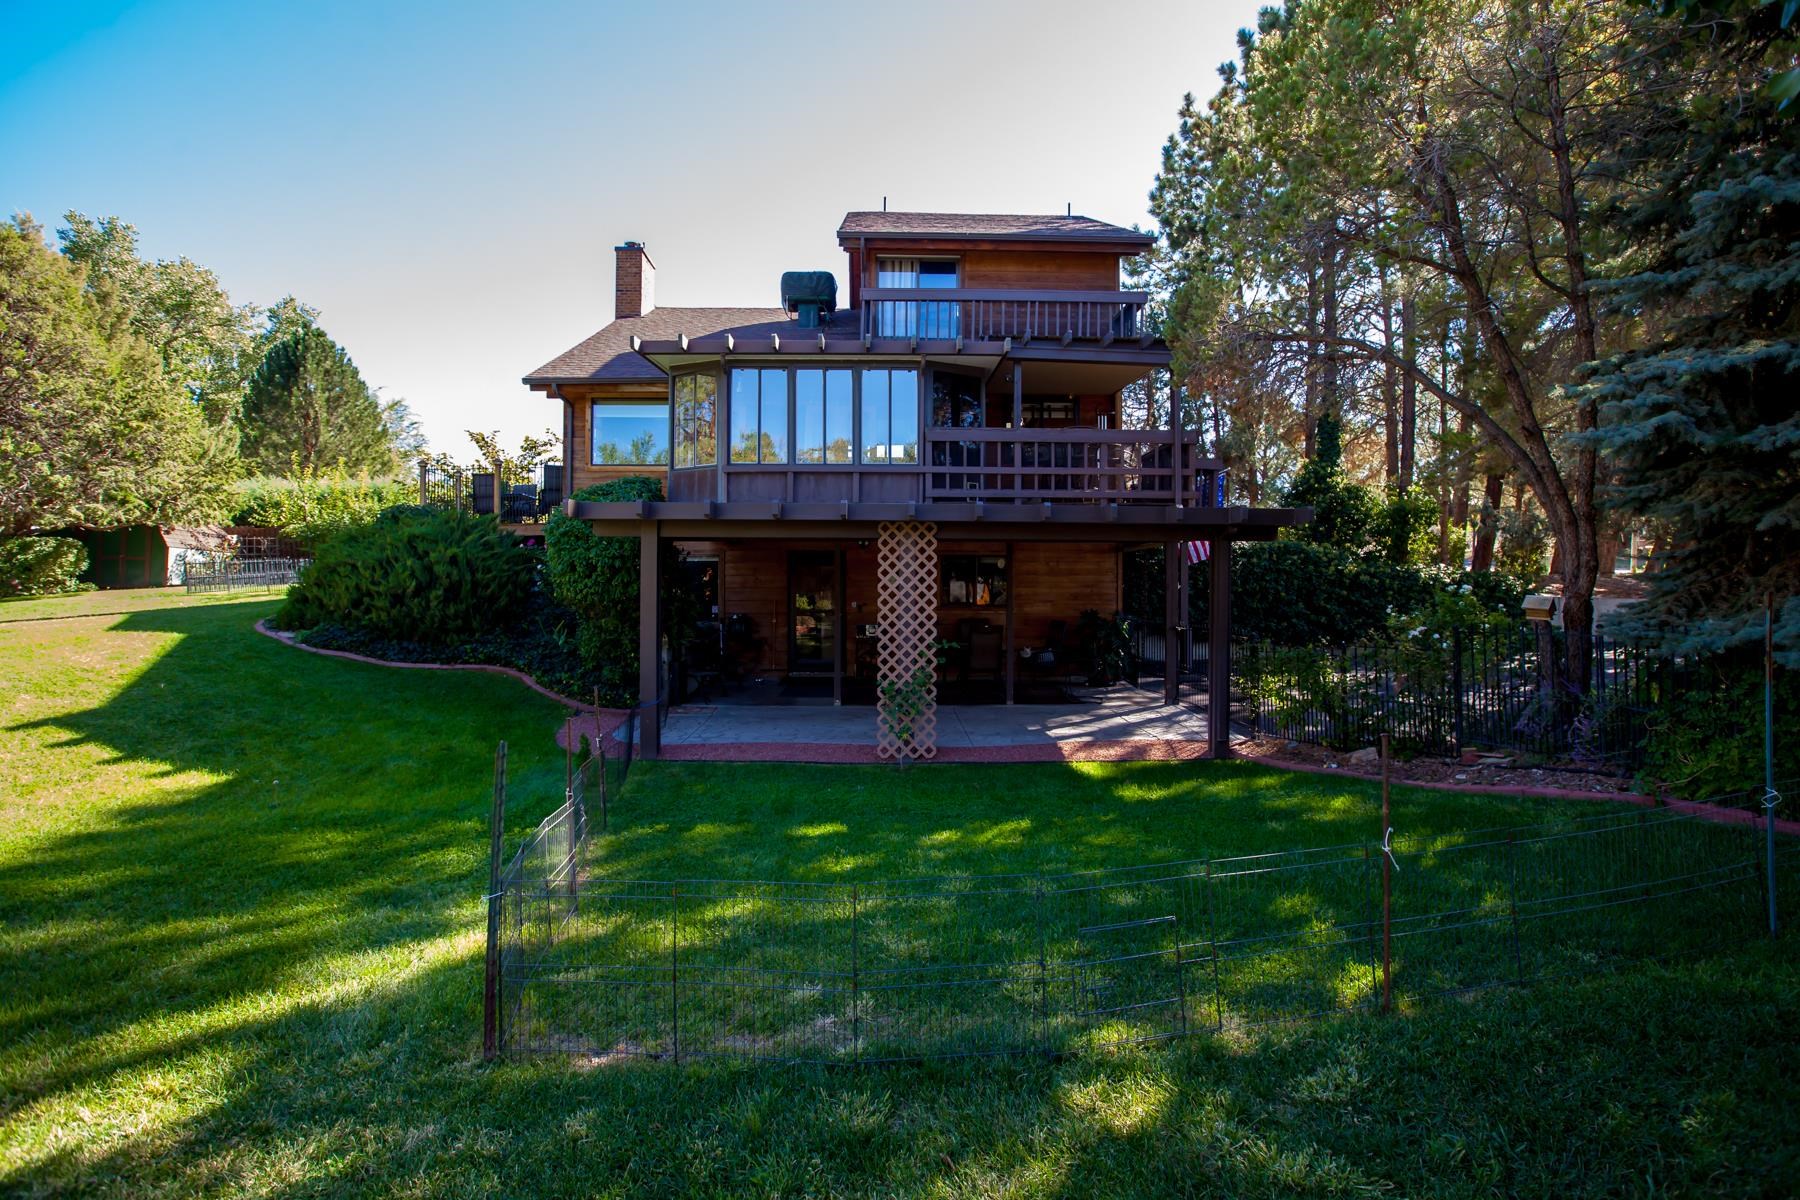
(240, 954)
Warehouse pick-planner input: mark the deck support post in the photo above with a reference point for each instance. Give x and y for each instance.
(1218, 675)
(1012, 645)
(649, 639)
(1173, 565)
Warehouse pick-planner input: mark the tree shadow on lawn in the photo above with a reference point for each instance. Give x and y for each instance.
(243, 985)
(343, 814)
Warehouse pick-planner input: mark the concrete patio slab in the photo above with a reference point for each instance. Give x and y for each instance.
(1113, 725)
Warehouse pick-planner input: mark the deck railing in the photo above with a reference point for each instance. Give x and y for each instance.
(1117, 465)
(1024, 316)
(473, 491)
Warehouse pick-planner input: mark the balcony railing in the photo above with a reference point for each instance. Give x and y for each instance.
(1024, 316)
(473, 491)
(1106, 465)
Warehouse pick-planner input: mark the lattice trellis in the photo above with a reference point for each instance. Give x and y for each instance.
(906, 606)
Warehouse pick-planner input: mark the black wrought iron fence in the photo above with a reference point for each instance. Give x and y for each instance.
(1485, 688)
(869, 971)
(226, 574)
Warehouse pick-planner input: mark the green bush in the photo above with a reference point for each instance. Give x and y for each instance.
(313, 506)
(596, 578)
(41, 566)
(427, 576)
(1705, 735)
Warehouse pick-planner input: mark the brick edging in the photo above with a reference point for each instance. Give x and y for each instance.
(288, 639)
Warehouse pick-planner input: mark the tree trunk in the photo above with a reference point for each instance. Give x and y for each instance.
(1481, 558)
(1409, 388)
(1390, 398)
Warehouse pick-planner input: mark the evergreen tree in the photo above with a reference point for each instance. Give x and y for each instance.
(1702, 423)
(93, 429)
(307, 409)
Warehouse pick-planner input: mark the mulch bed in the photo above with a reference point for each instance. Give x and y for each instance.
(1433, 772)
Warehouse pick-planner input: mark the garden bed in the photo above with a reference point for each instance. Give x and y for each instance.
(1437, 772)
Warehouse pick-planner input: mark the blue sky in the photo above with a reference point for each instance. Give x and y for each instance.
(445, 182)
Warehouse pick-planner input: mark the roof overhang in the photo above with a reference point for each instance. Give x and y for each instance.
(672, 354)
(1024, 522)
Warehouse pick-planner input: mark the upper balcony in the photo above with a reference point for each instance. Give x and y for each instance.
(1022, 316)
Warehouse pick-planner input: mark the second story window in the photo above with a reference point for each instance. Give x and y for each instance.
(917, 318)
(822, 416)
(759, 415)
(696, 399)
(890, 417)
(627, 434)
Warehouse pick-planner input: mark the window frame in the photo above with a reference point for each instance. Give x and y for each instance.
(1000, 603)
(667, 404)
(675, 440)
(857, 372)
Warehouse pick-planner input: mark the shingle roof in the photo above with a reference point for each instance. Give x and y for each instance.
(607, 355)
(985, 225)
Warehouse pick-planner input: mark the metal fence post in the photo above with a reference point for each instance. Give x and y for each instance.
(1387, 889)
(855, 977)
(1456, 686)
(1212, 946)
(490, 996)
(675, 970)
(1771, 798)
(1043, 964)
(1512, 903)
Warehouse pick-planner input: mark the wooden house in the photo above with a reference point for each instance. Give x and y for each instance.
(971, 395)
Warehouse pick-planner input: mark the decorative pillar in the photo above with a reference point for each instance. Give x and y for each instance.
(906, 605)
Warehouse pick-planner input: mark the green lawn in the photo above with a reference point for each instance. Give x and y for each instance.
(241, 933)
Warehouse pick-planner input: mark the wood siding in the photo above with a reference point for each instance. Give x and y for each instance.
(1051, 582)
(1039, 269)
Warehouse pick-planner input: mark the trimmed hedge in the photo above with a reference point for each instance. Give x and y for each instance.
(42, 566)
(422, 575)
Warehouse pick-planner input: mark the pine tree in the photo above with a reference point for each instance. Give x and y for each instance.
(1702, 424)
(308, 409)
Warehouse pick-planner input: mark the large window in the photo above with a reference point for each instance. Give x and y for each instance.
(759, 415)
(695, 405)
(917, 318)
(890, 417)
(629, 434)
(822, 416)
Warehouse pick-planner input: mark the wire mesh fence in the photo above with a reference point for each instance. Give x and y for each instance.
(1483, 688)
(233, 573)
(889, 970)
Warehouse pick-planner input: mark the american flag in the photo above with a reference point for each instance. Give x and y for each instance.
(1198, 552)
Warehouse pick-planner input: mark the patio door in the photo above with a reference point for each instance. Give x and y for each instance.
(813, 612)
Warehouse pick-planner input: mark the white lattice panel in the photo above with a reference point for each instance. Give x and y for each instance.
(906, 606)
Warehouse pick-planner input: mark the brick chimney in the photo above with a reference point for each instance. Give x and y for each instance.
(634, 281)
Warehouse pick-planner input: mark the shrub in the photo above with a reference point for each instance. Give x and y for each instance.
(313, 505)
(596, 578)
(1705, 735)
(427, 576)
(41, 566)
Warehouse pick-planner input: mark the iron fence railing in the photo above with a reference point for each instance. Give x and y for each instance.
(225, 574)
(1483, 688)
(585, 962)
